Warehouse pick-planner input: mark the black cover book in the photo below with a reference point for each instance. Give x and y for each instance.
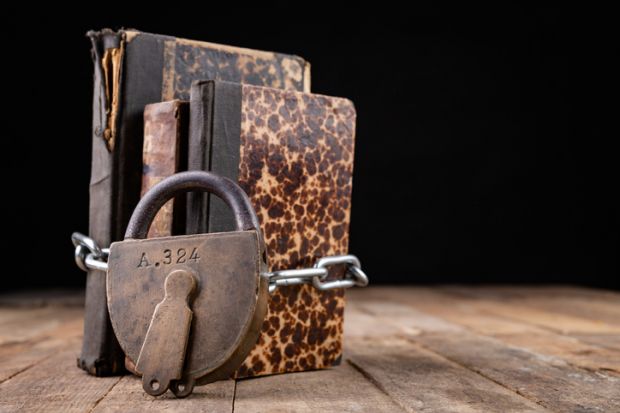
(133, 69)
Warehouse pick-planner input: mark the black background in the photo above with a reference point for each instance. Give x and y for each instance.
(481, 154)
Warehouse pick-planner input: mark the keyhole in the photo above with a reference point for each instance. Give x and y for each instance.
(154, 385)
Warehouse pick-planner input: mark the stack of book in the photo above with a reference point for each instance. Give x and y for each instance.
(162, 105)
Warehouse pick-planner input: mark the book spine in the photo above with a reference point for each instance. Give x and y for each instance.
(123, 86)
(225, 150)
(101, 354)
(165, 136)
(199, 151)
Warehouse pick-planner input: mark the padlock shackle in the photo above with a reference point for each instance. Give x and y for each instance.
(159, 194)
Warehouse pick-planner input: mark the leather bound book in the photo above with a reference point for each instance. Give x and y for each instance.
(165, 153)
(292, 153)
(133, 69)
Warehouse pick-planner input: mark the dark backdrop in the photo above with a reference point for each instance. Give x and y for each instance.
(480, 156)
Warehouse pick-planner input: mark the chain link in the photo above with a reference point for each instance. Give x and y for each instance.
(89, 256)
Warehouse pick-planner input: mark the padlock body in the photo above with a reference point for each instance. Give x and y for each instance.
(228, 308)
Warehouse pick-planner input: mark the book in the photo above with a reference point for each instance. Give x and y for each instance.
(292, 152)
(131, 70)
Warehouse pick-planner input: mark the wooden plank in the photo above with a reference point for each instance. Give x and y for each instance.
(597, 306)
(549, 381)
(32, 335)
(357, 323)
(55, 385)
(512, 313)
(17, 325)
(464, 312)
(10, 316)
(565, 291)
(416, 378)
(128, 396)
(42, 298)
(406, 349)
(17, 357)
(575, 352)
(340, 389)
(421, 380)
(609, 341)
(587, 330)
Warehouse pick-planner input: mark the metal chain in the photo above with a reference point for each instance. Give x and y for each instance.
(89, 256)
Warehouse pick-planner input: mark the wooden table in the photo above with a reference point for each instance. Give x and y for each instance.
(440, 349)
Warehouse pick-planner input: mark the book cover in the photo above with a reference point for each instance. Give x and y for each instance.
(292, 152)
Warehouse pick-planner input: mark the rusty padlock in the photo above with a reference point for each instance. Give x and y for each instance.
(188, 309)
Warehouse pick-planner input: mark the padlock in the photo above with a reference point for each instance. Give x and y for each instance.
(188, 309)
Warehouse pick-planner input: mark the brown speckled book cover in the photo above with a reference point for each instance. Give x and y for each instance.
(292, 152)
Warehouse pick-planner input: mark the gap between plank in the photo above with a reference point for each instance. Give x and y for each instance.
(463, 294)
(451, 294)
(28, 367)
(105, 394)
(234, 396)
(473, 370)
(375, 383)
(22, 370)
(412, 340)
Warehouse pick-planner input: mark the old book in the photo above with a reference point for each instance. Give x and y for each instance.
(292, 152)
(133, 69)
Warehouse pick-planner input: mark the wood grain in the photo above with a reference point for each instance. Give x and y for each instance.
(128, 396)
(18, 325)
(468, 313)
(600, 308)
(20, 356)
(55, 385)
(439, 349)
(30, 342)
(315, 391)
(420, 380)
(546, 380)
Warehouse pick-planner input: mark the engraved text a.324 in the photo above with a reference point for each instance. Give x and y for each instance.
(168, 256)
